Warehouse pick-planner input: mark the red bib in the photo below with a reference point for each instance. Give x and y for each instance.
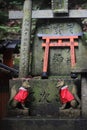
(21, 95)
(65, 95)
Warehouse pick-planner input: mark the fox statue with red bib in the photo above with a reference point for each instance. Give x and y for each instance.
(20, 96)
(67, 96)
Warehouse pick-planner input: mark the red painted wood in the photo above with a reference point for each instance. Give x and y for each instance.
(60, 37)
(65, 44)
(8, 58)
(60, 43)
(4, 97)
(46, 54)
(72, 52)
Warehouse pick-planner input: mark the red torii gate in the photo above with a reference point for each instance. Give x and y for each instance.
(72, 44)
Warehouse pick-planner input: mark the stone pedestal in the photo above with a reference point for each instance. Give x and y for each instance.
(44, 99)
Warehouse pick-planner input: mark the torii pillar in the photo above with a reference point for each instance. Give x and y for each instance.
(25, 39)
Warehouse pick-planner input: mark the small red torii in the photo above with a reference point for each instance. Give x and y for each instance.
(72, 44)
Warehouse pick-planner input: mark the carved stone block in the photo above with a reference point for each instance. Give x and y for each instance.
(59, 6)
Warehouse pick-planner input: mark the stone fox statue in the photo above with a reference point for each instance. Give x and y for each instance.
(67, 96)
(20, 96)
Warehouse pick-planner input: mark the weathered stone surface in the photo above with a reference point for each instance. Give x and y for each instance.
(59, 58)
(40, 14)
(42, 124)
(25, 39)
(84, 95)
(59, 6)
(70, 113)
(17, 112)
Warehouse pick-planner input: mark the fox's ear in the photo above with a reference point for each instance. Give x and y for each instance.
(59, 80)
(60, 83)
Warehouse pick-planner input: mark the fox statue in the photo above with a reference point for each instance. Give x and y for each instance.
(19, 96)
(68, 96)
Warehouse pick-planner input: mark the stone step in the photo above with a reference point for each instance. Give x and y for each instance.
(28, 123)
(60, 114)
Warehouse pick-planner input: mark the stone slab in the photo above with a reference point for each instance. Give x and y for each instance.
(17, 112)
(59, 61)
(42, 124)
(40, 14)
(79, 70)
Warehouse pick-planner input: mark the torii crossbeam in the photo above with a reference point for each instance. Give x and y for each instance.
(72, 44)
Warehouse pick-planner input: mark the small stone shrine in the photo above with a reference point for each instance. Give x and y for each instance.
(53, 48)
